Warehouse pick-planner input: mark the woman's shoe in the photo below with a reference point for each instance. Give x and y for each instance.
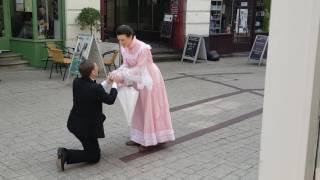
(144, 148)
(132, 143)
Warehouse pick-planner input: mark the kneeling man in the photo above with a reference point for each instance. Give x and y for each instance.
(86, 117)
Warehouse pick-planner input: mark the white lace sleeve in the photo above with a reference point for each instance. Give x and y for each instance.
(139, 75)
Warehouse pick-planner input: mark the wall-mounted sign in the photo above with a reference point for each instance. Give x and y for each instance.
(244, 4)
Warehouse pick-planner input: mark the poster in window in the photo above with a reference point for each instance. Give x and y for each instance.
(19, 7)
(28, 5)
(55, 9)
(174, 7)
(242, 21)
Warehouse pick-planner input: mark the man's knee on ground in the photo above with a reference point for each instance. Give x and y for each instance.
(94, 157)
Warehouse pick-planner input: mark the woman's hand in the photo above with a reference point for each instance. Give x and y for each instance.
(116, 76)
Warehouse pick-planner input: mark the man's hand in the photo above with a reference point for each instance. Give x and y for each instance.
(109, 79)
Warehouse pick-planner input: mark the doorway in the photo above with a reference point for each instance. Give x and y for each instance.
(144, 16)
(243, 30)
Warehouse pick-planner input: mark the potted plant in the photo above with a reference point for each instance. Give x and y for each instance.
(89, 18)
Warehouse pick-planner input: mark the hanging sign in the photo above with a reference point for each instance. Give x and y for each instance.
(166, 28)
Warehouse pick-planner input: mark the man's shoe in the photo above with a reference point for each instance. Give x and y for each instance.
(61, 160)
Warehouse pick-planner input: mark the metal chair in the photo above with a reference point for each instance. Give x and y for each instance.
(59, 59)
(109, 62)
(67, 51)
(48, 45)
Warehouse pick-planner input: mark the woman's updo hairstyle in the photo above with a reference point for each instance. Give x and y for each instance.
(125, 30)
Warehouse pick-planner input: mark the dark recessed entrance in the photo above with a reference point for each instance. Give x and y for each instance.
(144, 16)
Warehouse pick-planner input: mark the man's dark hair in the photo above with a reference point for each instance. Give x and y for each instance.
(125, 30)
(86, 68)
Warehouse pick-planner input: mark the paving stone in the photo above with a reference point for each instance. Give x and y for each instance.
(34, 112)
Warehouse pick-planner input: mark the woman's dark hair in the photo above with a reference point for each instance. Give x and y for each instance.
(85, 68)
(125, 30)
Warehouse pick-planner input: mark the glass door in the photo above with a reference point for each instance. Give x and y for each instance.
(127, 13)
(144, 16)
(151, 13)
(146, 22)
(110, 15)
(242, 24)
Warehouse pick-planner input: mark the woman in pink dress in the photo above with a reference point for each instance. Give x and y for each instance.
(151, 123)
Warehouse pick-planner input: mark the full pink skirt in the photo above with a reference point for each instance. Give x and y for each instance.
(151, 122)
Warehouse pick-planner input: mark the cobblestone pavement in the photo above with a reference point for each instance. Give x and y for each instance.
(216, 110)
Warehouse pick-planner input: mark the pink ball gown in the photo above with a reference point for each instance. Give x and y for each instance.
(151, 122)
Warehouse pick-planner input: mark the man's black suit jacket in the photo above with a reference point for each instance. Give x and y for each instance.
(86, 117)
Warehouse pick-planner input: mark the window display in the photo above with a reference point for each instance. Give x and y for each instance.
(48, 19)
(21, 21)
(221, 16)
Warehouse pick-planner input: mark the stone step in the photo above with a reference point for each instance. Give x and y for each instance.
(163, 51)
(13, 62)
(13, 58)
(166, 57)
(10, 56)
(23, 67)
(236, 54)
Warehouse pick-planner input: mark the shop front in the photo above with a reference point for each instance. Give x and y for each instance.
(145, 17)
(234, 24)
(230, 25)
(26, 26)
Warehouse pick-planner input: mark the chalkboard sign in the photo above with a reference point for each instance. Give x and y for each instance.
(258, 51)
(194, 48)
(86, 49)
(166, 28)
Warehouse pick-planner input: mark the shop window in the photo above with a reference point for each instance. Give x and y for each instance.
(221, 16)
(48, 20)
(259, 16)
(1, 19)
(21, 19)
